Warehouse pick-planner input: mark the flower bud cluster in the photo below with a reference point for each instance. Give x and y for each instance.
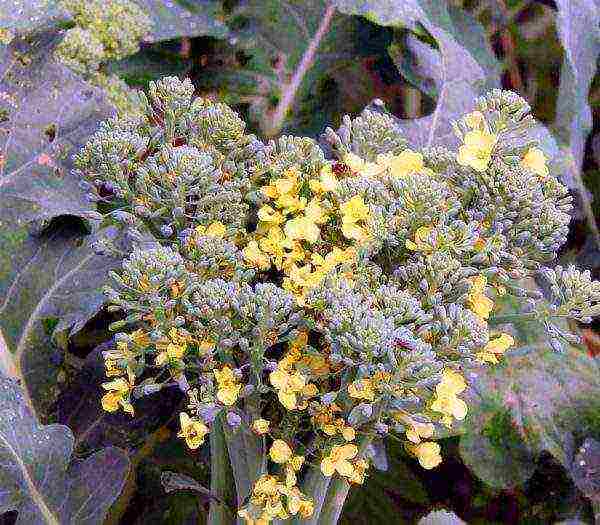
(317, 302)
(103, 31)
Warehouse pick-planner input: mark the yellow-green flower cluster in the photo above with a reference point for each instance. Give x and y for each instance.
(104, 30)
(294, 230)
(315, 304)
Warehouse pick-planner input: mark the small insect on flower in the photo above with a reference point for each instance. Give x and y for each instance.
(192, 430)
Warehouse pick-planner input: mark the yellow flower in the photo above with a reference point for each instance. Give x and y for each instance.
(326, 182)
(348, 433)
(215, 229)
(477, 301)
(315, 212)
(261, 426)
(354, 210)
(296, 462)
(228, 386)
(297, 503)
(337, 461)
(476, 151)
(495, 348)
(280, 451)
(171, 347)
(268, 214)
(361, 389)
(302, 228)
(355, 163)
(428, 454)
(421, 243)
(445, 400)
(288, 385)
(418, 430)
(255, 257)
(408, 161)
(535, 160)
(117, 396)
(360, 468)
(452, 383)
(192, 430)
(354, 232)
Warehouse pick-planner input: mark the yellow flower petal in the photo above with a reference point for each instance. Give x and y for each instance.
(280, 452)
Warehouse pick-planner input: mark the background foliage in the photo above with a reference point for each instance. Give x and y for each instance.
(291, 66)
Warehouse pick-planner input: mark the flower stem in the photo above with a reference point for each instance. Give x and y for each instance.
(306, 62)
(221, 485)
(315, 486)
(334, 503)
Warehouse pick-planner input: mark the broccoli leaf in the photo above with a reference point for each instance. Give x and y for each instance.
(462, 69)
(46, 114)
(577, 22)
(26, 16)
(40, 480)
(285, 55)
(536, 401)
(191, 18)
(48, 268)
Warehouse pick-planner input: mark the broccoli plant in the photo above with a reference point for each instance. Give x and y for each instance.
(309, 298)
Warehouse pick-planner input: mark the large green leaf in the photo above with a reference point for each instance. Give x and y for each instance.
(286, 54)
(48, 269)
(463, 67)
(79, 407)
(46, 114)
(38, 477)
(537, 400)
(25, 16)
(173, 19)
(578, 23)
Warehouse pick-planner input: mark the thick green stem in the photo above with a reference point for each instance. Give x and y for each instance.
(338, 491)
(315, 486)
(221, 483)
(596, 509)
(236, 447)
(334, 503)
